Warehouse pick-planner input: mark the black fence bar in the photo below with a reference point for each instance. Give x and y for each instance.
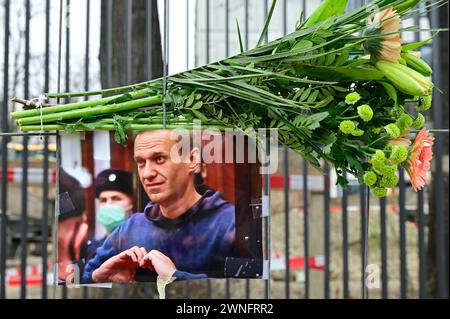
(45, 168)
(127, 75)
(148, 37)
(4, 149)
(363, 219)
(441, 243)
(24, 188)
(24, 217)
(362, 203)
(266, 194)
(422, 245)
(67, 81)
(326, 227)
(402, 227)
(227, 28)
(187, 285)
(383, 248)
(187, 290)
(85, 291)
(67, 62)
(108, 50)
(87, 46)
(187, 34)
(247, 33)
(286, 224)
(345, 274)
(305, 226)
(127, 42)
(207, 31)
(365, 243)
(108, 68)
(208, 58)
(56, 213)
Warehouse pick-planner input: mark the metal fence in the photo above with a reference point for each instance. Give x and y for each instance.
(322, 238)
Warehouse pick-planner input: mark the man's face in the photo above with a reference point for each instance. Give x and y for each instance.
(164, 179)
(115, 198)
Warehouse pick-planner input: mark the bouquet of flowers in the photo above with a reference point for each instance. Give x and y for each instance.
(335, 89)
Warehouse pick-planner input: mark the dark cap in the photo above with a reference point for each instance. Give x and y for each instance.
(114, 180)
(71, 196)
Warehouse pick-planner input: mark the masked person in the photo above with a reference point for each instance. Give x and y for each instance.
(183, 233)
(114, 191)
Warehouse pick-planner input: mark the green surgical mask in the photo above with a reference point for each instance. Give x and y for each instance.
(111, 216)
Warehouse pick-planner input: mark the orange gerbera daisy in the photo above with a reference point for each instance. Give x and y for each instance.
(418, 162)
(388, 45)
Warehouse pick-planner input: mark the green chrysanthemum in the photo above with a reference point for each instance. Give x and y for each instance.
(370, 178)
(365, 112)
(379, 156)
(404, 122)
(399, 154)
(389, 181)
(352, 98)
(358, 133)
(424, 103)
(392, 130)
(380, 191)
(347, 127)
(389, 170)
(419, 122)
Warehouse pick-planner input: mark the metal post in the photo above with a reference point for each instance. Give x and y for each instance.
(345, 275)
(286, 223)
(402, 221)
(45, 184)
(383, 235)
(305, 227)
(266, 194)
(149, 35)
(438, 191)
(326, 225)
(24, 188)
(127, 41)
(4, 181)
(422, 246)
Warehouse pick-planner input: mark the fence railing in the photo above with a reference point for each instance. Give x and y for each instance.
(325, 242)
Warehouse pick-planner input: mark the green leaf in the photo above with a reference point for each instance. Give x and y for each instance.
(305, 95)
(333, 73)
(199, 115)
(197, 105)
(266, 24)
(298, 93)
(241, 45)
(302, 45)
(329, 59)
(190, 100)
(313, 96)
(342, 58)
(416, 45)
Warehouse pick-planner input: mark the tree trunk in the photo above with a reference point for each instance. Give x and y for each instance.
(138, 73)
(138, 58)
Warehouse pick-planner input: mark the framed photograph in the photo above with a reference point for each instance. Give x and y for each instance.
(170, 203)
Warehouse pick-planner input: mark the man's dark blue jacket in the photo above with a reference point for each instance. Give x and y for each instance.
(197, 242)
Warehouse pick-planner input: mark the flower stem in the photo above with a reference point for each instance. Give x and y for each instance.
(96, 110)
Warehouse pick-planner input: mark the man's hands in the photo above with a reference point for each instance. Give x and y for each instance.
(122, 267)
(157, 261)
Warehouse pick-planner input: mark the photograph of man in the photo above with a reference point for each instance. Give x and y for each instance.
(114, 191)
(181, 233)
